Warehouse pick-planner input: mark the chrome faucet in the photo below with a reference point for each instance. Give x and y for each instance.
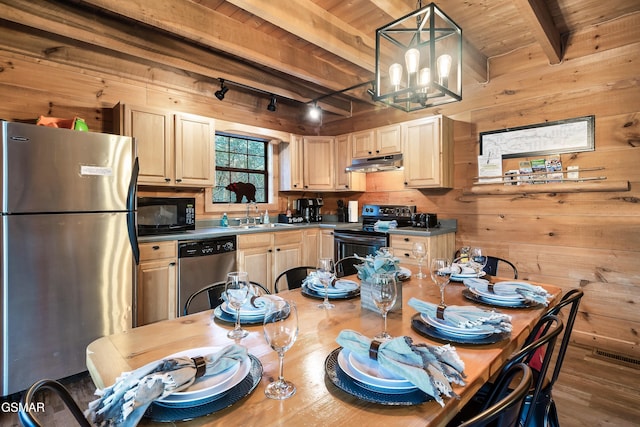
(248, 218)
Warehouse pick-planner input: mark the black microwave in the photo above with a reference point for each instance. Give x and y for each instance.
(160, 215)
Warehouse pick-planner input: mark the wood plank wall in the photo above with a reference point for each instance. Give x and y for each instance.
(587, 240)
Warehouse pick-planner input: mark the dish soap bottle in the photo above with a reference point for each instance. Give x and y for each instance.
(224, 222)
(265, 218)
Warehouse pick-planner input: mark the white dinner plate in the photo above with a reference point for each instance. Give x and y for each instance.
(341, 287)
(442, 326)
(208, 385)
(461, 276)
(373, 378)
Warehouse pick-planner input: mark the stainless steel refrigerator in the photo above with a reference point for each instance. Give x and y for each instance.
(68, 247)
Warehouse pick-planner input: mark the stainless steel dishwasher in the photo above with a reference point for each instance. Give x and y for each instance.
(201, 263)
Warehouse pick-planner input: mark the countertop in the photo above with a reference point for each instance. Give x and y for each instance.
(210, 229)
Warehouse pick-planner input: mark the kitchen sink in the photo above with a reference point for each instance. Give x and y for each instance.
(251, 226)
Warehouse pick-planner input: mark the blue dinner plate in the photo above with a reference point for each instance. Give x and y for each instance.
(426, 330)
(345, 383)
(220, 314)
(306, 291)
(165, 414)
(494, 303)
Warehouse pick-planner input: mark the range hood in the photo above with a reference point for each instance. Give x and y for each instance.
(376, 164)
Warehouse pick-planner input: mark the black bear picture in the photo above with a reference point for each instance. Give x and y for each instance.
(243, 189)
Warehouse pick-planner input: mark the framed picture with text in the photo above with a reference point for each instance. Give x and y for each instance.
(563, 136)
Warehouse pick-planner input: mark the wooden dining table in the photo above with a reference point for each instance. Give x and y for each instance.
(317, 401)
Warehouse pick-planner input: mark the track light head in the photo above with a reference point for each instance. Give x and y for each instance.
(315, 112)
(272, 104)
(222, 92)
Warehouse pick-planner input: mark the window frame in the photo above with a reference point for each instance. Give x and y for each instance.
(266, 173)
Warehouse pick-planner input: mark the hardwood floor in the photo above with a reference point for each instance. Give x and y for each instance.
(591, 392)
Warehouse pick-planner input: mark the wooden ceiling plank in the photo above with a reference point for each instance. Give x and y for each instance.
(310, 22)
(538, 17)
(207, 27)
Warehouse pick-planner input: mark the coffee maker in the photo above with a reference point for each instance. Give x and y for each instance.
(309, 209)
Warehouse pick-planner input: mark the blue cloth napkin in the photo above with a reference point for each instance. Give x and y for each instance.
(527, 291)
(465, 316)
(124, 403)
(431, 368)
(257, 300)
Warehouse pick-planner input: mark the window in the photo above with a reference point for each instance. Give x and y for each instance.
(240, 159)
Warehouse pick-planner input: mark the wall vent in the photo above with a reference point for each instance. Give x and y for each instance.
(618, 358)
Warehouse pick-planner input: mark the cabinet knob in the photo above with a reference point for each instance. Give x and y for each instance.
(270, 250)
(377, 151)
(167, 179)
(406, 183)
(277, 249)
(406, 239)
(346, 186)
(407, 255)
(306, 186)
(156, 247)
(178, 180)
(369, 152)
(295, 185)
(172, 264)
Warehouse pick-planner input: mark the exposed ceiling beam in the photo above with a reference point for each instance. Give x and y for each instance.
(317, 26)
(538, 17)
(474, 62)
(209, 28)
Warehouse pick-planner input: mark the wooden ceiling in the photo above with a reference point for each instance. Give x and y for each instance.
(301, 49)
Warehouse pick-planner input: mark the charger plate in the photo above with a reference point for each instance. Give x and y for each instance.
(345, 383)
(161, 413)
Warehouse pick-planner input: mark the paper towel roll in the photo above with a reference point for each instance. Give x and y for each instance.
(353, 211)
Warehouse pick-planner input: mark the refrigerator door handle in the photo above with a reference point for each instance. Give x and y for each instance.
(132, 225)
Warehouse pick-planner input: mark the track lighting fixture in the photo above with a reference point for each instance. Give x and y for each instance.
(272, 104)
(223, 90)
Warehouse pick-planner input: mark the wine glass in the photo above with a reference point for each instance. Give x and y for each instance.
(384, 293)
(477, 260)
(280, 332)
(419, 252)
(237, 292)
(441, 270)
(326, 272)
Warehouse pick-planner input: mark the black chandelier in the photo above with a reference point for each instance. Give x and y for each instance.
(429, 44)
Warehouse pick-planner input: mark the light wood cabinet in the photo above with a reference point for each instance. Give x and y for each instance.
(326, 244)
(174, 150)
(347, 181)
(291, 164)
(310, 246)
(265, 255)
(380, 141)
(318, 162)
(156, 286)
(438, 246)
(428, 153)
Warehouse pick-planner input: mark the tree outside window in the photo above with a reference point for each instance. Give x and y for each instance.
(240, 159)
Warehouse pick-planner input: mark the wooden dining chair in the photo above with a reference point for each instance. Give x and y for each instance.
(546, 331)
(27, 415)
(346, 266)
(503, 406)
(214, 292)
(293, 277)
(543, 411)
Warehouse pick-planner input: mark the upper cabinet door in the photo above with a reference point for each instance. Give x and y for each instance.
(363, 144)
(319, 167)
(388, 140)
(153, 130)
(194, 150)
(428, 153)
(347, 181)
(291, 164)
